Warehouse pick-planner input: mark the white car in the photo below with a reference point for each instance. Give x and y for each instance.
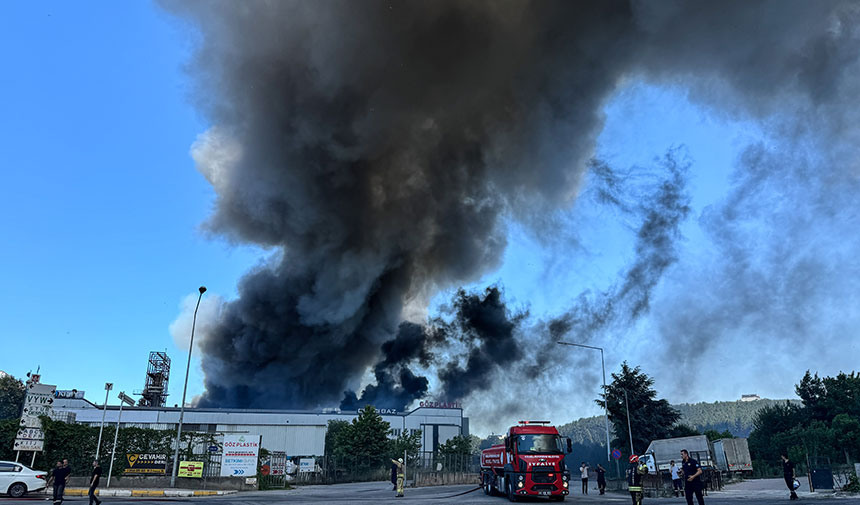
(16, 479)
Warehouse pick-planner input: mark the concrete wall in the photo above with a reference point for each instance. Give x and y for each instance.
(162, 482)
(446, 478)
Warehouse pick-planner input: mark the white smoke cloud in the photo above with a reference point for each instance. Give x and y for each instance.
(207, 318)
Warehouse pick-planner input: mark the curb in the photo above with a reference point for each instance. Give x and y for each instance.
(148, 492)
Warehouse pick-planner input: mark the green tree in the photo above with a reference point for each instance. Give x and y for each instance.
(337, 438)
(410, 443)
(458, 445)
(364, 442)
(846, 429)
(684, 430)
(650, 418)
(716, 435)
(12, 394)
(772, 430)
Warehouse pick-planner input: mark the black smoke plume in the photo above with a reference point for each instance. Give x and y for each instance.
(483, 341)
(378, 146)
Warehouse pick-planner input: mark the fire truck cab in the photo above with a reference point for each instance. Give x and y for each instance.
(530, 462)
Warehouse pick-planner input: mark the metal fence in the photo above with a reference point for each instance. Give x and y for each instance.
(434, 462)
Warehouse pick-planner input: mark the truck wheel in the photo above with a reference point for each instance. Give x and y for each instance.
(487, 485)
(17, 490)
(511, 495)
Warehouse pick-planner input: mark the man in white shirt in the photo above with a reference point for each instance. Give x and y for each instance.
(584, 472)
(677, 482)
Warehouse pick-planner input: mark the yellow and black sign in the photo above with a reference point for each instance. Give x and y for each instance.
(146, 464)
(190, 469)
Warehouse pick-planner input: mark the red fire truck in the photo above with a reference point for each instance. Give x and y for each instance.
(529, 463)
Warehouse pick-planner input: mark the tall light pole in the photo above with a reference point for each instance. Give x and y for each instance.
(124, 399)
(202, 290)
(629, 430)
(108, 387)
(605, 392)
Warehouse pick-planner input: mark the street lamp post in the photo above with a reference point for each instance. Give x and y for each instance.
(605, 392)
(108, 387)
(124, 399)
(629, 430)
(202, 290)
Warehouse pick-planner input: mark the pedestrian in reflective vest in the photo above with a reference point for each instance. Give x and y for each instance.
(634, 478)
(401, 476)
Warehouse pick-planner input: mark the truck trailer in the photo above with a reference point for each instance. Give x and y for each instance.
(732, 455)
(530, 462)
(661, 452)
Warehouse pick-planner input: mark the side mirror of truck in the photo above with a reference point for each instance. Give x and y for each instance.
(569, 445)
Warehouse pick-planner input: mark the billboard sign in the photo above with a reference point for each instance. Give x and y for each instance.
(69, 394)
(239, 455)
(306, 465)
(192, 469)
(279, 463)
(146, 464)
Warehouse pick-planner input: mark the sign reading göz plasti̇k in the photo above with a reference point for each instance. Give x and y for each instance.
(239, 458)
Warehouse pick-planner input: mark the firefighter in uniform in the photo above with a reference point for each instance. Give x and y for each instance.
(401, 476)
(634, 479)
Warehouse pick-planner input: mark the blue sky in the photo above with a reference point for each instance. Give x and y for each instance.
(102, 206)
(101, 203)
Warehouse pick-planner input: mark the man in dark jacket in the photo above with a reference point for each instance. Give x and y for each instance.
(94, 483)
(788, 474)
(601, 479)
(61, 477)
(693, 484)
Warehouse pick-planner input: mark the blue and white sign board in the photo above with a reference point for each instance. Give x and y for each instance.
(240, 454)
(306, 465)
(38, 402)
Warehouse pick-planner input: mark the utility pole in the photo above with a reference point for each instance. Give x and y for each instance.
(108, 387)
(124, 399)
(605, 392)
(202, 290)
(629, 429)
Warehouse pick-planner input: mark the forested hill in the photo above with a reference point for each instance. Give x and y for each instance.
(737, 417)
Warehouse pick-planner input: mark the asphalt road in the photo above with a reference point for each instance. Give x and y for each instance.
(379, 492)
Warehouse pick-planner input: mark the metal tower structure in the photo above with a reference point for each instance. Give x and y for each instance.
(157, 375)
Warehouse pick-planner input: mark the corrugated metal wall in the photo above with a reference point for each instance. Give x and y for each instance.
(295, 440)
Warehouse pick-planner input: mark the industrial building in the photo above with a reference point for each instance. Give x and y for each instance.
(298, 433)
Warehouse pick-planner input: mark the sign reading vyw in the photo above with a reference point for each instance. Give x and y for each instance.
(38, 402)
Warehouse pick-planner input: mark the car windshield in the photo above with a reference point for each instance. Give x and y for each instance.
(539, 444)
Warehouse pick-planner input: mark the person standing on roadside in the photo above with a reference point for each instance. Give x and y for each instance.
(61, 477)
(55, 481)
(401, 476)
(677, 482)
(94, 483)
(788, 474)
(583, 472)
(634, 479)
(601, 479)
(692, 478)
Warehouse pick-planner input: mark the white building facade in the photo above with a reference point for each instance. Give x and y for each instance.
(297, 433)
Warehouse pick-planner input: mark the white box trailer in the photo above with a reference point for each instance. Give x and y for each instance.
(661, 452)
(732, 455)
